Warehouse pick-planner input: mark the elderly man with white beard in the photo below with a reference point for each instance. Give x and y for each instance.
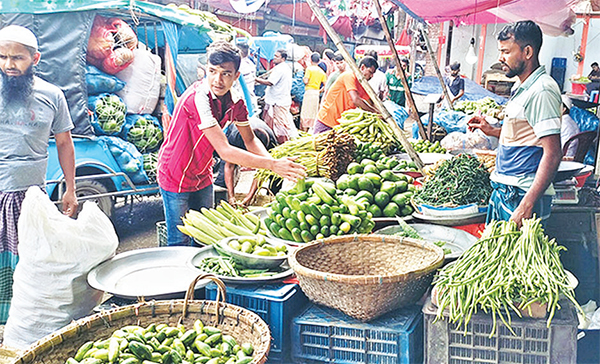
(31, 110)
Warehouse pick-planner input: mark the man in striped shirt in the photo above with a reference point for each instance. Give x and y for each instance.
(196, 131)
(529, 149)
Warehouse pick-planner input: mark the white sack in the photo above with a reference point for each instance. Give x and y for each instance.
(56, 253)
(142, 79)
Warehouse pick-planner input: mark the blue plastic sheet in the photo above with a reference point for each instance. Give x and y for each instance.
(399, 113)
(585, 120)
(269, 43)
(128, 157)
(298, 87)
(100, 82)
(449, 120)
(431, 85)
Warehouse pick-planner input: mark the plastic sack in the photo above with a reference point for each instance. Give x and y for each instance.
(143, 131)
(108, 114)
(99, 82)
(128, 157)
(298, 87)
(399, 113)
(55, 255)
(449, 120)
(459, 141)
(585, 120)
(142, 79)
(111, 44)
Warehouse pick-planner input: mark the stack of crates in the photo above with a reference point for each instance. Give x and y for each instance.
(276, 304)
(534, 342)
(325, 335)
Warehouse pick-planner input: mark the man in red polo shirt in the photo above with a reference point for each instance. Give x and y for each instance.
(185, 159)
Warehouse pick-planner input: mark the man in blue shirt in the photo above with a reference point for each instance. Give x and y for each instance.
(455, 83)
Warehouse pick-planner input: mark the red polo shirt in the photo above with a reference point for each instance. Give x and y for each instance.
(186, 157)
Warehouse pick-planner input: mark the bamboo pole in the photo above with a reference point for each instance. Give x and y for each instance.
(435, 66)
(352, 64)
(412, 107)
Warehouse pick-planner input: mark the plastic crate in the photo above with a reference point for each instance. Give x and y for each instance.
(161, 233)
(534, 342)
(559, 62)
(277, 304)
(588, 347)
(325, 335)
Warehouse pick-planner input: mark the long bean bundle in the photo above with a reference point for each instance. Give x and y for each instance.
(324, 155)
(461, 180)
(367, 127)
(506, 270)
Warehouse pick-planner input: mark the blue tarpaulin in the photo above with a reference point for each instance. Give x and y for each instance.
(473, 92)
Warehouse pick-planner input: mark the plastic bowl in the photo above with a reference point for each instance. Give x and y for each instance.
(252, 261)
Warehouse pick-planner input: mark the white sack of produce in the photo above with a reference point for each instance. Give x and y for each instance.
(55, 255)
(142, 79)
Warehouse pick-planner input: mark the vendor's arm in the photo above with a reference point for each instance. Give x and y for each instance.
(262, 81)
(461, 92)
(543, 177)
(251, 193)
(228, 176)
(285, 167)
(478, 122)
(252, 143)
(66, 158)
(360, 102)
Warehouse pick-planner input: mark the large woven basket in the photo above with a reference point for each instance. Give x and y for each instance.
(366, 276)
(242, 324)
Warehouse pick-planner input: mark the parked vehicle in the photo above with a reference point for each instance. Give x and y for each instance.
(63, 31)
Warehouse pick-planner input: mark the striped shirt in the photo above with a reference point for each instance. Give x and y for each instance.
(531, 113)
(185, 159)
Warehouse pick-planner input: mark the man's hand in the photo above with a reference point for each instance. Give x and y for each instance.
(479, 122)
(288, 169)
(69, 203)
(523, 211)
(232, 201)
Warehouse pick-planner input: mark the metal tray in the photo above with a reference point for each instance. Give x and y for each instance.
(456, 240)
(159, 273)
(210, 251)
(476, 218)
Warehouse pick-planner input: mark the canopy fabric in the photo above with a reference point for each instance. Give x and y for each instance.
(137, 7)
(555, 17)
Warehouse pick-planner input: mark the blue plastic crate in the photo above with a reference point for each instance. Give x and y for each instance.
(277, 304)
(559, 62)
(325, 335)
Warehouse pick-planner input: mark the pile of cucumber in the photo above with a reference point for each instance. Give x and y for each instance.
(315, 210)
(166, 345)
(380, 186)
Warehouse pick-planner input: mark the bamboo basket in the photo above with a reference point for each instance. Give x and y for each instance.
(242, 324)
(366, 276)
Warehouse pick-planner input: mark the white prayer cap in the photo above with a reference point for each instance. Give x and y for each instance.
(19, 34)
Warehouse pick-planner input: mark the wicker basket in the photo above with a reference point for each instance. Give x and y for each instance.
(244, 325)
(366, 276)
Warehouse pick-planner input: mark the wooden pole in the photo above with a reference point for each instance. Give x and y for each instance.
(412, 106)
(363, 81)
(435, 66)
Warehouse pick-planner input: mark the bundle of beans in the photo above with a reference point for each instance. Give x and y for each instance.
(315, 153)
(507, 269)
